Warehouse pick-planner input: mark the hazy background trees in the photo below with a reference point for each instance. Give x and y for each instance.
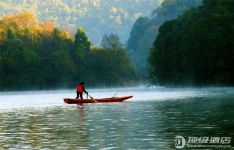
(96, 17)
(145, 30)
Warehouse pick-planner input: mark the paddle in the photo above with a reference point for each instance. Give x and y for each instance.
(92, 98)
(114, 95)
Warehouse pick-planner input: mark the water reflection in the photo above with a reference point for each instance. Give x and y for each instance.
(147, 123)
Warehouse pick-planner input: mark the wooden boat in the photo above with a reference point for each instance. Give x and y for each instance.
(99, 100)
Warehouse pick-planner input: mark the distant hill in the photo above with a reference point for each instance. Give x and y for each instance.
(96, 17)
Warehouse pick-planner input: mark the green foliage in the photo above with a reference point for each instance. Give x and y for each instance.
(81, 41)
(171, 9)
(137, 32)
(145, 30)
(196, 48)
(11, 33)
(112, 57)
(41, 56)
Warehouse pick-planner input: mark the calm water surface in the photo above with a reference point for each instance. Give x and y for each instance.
(150, 120)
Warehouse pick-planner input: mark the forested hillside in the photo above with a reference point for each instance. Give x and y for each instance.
(37, 55)
(96, 17)
(197, 48)
(145, 30)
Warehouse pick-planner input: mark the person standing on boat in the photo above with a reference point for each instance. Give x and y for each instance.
(80, 89)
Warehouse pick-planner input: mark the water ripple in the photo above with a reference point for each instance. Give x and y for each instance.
(151, 120)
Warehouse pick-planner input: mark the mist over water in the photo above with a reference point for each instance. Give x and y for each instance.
(149, 120)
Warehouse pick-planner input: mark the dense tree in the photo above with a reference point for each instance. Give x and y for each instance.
(196, 48)
(137, 32)
(171, 9)
(11, 33)
(81, 54)
(42, 56)
(112, 58)
(81, 42)
(145, 30)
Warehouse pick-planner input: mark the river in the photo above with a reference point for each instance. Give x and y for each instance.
(155, 118)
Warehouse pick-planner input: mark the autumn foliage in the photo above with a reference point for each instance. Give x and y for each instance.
(37, 55)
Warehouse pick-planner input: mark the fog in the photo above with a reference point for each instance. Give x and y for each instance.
(55, 97)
